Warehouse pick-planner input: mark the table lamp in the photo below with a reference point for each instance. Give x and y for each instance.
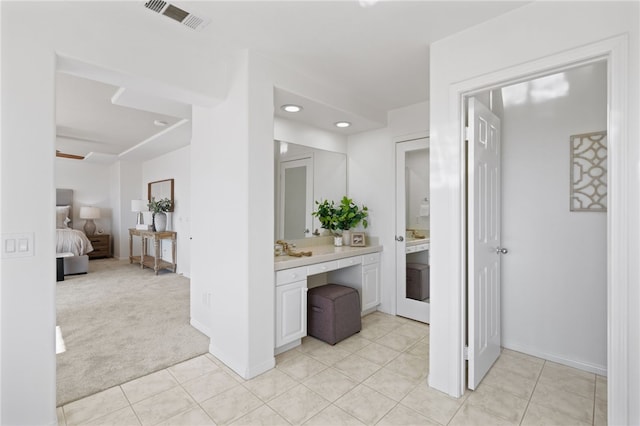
(89, 213)
(139, 206)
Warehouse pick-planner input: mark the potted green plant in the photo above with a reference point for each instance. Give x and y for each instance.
(349, 215)
(159, 209)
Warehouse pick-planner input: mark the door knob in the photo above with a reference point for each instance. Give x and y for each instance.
(500, 250)
(399, 238)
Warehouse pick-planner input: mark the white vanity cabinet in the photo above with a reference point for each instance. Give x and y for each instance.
(370, 281)
(291, 305)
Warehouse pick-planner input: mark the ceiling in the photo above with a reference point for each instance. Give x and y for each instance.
(374, 52)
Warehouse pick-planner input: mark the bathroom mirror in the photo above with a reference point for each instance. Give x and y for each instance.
(161, 189)
(302, 176)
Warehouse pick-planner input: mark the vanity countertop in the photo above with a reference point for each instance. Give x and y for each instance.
(417, 241)
(322, 253)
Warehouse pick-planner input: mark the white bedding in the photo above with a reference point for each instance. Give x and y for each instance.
(72, 241)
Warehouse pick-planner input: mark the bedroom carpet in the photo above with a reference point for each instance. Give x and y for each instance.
(119, 323)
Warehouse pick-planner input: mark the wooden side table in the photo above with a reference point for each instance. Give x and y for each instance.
(156, 262)
(101, 246)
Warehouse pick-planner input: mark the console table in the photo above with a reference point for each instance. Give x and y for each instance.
(156, 262)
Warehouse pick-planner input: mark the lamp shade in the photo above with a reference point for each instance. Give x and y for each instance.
(89, 213)
(139, 206)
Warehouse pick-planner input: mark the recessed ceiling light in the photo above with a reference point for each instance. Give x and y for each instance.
(160, 123)
(291, 108)
(342, 124)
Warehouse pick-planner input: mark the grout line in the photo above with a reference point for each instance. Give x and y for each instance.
(532, 392)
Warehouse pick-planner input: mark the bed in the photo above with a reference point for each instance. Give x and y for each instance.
(72, 245)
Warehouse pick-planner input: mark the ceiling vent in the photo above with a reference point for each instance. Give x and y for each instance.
(177, 14)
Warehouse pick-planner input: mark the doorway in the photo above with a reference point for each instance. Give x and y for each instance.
(412, 229)
(554, 276)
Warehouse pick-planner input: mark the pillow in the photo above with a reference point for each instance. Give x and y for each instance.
(62, 217)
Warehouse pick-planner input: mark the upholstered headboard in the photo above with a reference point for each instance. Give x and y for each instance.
(64, 197)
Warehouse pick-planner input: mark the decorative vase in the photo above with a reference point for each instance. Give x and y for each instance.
(337, 241)
(346, 237)
(169, 226)
(160, 221)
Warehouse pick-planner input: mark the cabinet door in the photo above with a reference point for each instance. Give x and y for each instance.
(291, 312)
(370, 286)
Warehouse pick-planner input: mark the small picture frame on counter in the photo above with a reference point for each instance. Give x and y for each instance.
(358, 239)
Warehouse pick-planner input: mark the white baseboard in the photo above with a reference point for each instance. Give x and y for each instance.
(580, 365)
(245, 371)
(200, 327)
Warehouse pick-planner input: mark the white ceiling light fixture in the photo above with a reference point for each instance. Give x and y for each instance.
(291, 108)
(342, 124)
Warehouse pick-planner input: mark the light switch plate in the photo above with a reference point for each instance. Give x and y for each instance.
(17, 245)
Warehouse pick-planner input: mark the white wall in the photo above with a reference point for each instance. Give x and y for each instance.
(554, 279)
(372, 165)
(510, 40)
(302, 134)
(174, 165)
(29, 52)
(91, 187)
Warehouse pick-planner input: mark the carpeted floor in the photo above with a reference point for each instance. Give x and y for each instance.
(118, 323)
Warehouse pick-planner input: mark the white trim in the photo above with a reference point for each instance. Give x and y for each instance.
(200, 327)
(615, 51)
(560, 359)
(244, 370)
(411, 137)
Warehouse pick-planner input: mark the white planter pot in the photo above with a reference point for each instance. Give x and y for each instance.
(346, 237)
(337, 241)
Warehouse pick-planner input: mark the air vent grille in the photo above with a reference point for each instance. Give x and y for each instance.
(177, 14)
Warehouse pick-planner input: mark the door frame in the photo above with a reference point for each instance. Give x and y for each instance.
(614, 52)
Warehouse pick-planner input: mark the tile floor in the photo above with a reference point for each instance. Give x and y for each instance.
(375, 377)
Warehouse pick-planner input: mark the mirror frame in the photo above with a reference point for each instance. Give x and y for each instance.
(150, 190)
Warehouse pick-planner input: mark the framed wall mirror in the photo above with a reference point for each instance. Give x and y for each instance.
(161, 189)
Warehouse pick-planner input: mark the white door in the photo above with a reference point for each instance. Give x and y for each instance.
(483, 238)
(296, 199)
(407, 307)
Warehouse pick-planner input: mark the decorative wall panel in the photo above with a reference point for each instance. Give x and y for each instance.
(588, 184)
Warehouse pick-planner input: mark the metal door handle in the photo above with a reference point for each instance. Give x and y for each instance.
(399, 238)
(500, 250)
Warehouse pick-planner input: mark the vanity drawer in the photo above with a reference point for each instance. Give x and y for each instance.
(370, 258)
(422, 247)
(322, 267)
(349, 261)
(291, 275)
(410, 249)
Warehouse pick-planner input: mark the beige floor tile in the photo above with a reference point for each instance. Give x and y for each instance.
(397, 342)
(413, 330)
(391, 384)
(601, 388)
(420, 348)
(523, 356)
(353, 343)
(509, 381)
(469, 415)
(193, 368)
(333, 415)
(209, 385)
(377, 353)
(575, 384)
(328, 354)
(226, 369)
(365, 404)
(403, 416)
(408, 365)
(431, 403)
(270, 384)
(194, 416)
(163, 406)
(528, 367)
(152, 384)
(356, 367)
(554, 369)
(310, 343)
(231, 405)
(330, 383)
(538, 415)
(374, 332)
(263, 416)
(95, 406)
(299, 404)
(600, 413)
(499, 403)
(569, 404)
(60, 415)
(123, 417)
(301, 367)
(291, 353)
